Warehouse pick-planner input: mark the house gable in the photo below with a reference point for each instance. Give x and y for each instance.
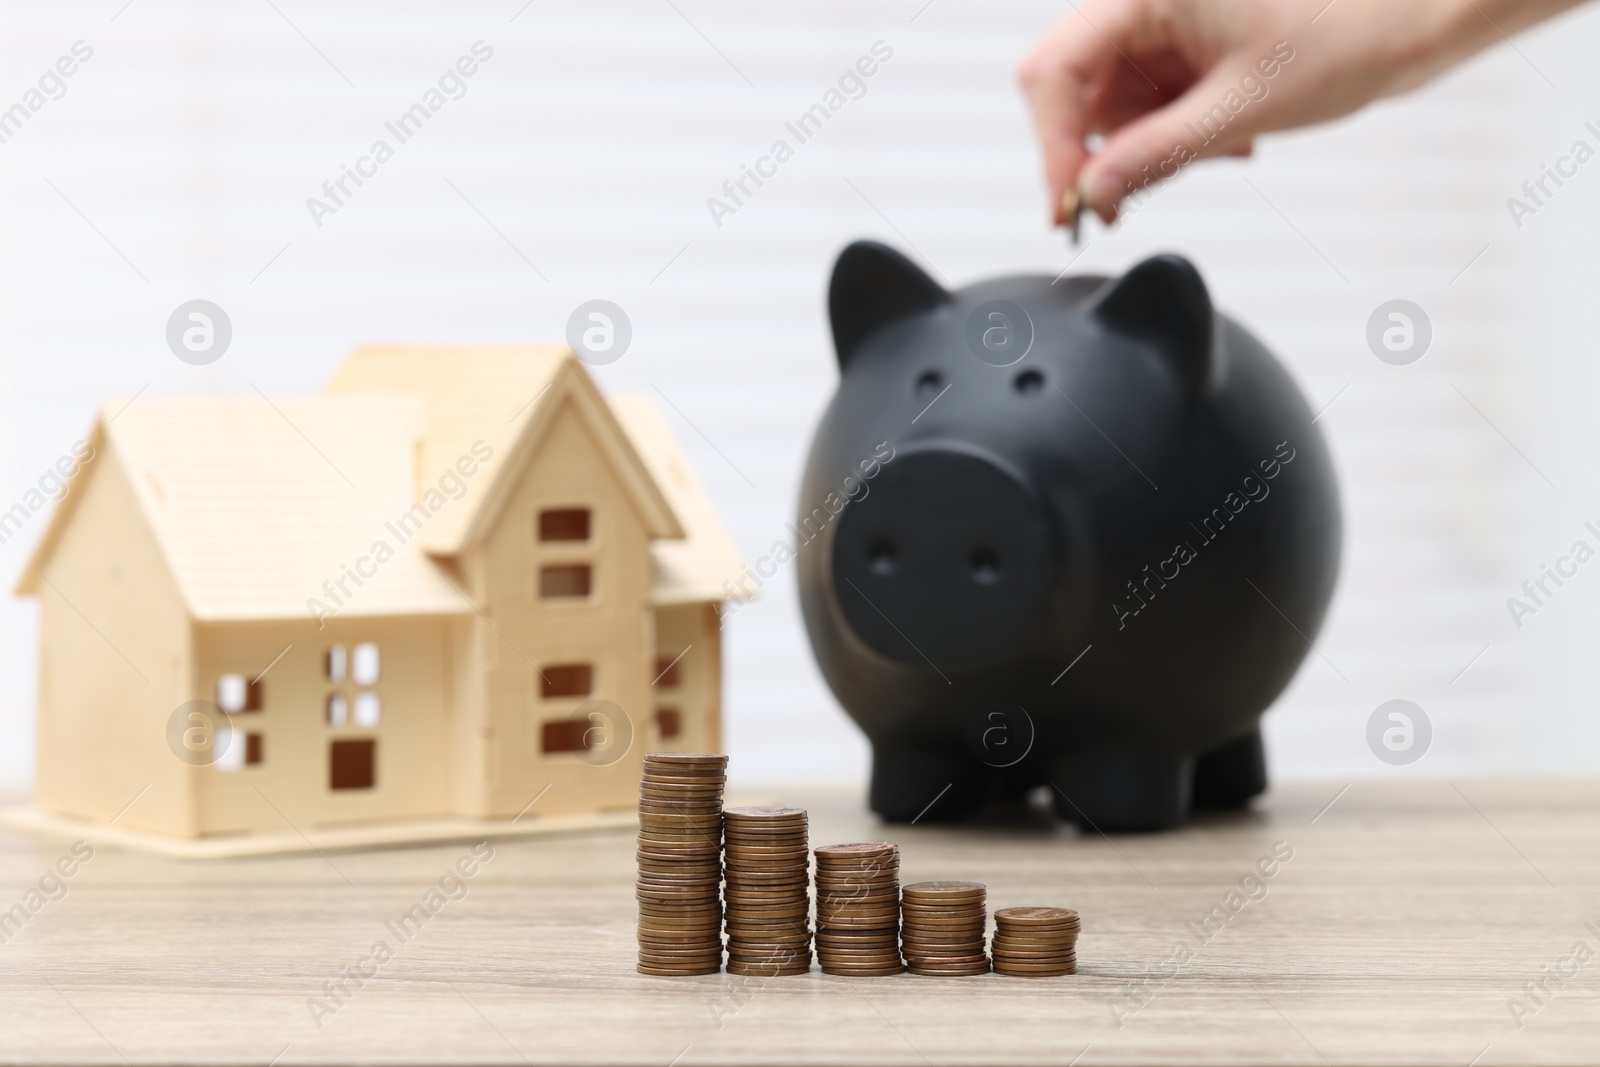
(501, 399)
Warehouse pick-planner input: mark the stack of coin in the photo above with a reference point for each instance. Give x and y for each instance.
(1035, 942)
(680, 863)
(768, 899)
(942, 930)
(858, 909)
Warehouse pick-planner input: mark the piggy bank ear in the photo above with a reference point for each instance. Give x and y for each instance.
(874, 285)
(1163, 302)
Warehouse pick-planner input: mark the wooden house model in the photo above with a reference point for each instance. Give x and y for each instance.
(401, 600)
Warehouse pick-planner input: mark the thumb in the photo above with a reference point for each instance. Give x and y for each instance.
(1197, 125)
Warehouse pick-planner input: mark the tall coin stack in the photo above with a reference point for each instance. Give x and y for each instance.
(942, 929)
(680, 863)
(768, 898)
(1035, 942)
(858, 909)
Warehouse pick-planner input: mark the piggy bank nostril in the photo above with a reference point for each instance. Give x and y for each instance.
(929, 382)
(985, 566)
(1028, 382)
(881, 558)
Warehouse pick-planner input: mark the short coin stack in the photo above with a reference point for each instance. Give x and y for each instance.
(1035, 942)
(680, 863)
(769, 900)
(943, 927)
(858, 909)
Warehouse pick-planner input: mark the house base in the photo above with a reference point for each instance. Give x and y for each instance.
(314, 839)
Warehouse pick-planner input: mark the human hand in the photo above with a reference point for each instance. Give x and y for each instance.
(1171, 81)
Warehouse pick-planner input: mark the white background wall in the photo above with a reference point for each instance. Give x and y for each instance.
(590, 142)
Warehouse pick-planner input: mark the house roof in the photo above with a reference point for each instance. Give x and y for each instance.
(698, 567)
(257, 502)
(501, 395)
(260, 504)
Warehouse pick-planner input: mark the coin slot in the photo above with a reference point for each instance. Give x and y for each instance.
(929, 382)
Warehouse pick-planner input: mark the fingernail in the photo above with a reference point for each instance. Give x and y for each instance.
(1100, 192)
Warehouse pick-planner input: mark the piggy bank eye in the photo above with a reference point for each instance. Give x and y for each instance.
(1028, 382)
(929, 382)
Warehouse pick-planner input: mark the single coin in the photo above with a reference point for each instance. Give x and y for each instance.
(859, 902)
(850, 971)
(946, 892)
(865, 922)
(655, 940)
(659, 789)
(1033, 916)
(685, 847)
(677, 874)
(788, 853)
(858, 848)
(670, 930)
(1039, 929)
(790, 863)
(941, 959)
(941, 970)
(675, 804)
(677, 780)
(678, 972)
(926, 947)
(836, 939)
(687, 757)
(825, 907)
(767, 970)
(761, 813)
(677, 952)
(709, 908)
(698, 894)
(1064, 937)
(754, 946)
(1036, 961)
(1049, 972)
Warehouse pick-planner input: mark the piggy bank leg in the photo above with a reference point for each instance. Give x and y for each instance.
(1228, 776)
(1120, 790)
(924, 785)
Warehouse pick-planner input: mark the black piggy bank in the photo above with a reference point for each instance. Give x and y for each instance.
(1075, 533)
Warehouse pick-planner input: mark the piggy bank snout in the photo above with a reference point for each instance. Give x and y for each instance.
(945, 559)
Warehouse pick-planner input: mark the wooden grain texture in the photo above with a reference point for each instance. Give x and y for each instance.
(1406, 920)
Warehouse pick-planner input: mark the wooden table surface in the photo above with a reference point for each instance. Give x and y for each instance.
(1405, 928)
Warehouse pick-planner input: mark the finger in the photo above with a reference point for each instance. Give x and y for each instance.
(1195, 126)
(1059, 77)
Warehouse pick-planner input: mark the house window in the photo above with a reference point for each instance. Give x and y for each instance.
(236, 694)
(352, 764)
(237, 749)
(369, 709)
(564, 524)
(564, 580)
(365, 664)
(566, 680)
(669, 721)
(667, 672)
(336, 662)
(566, 735)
